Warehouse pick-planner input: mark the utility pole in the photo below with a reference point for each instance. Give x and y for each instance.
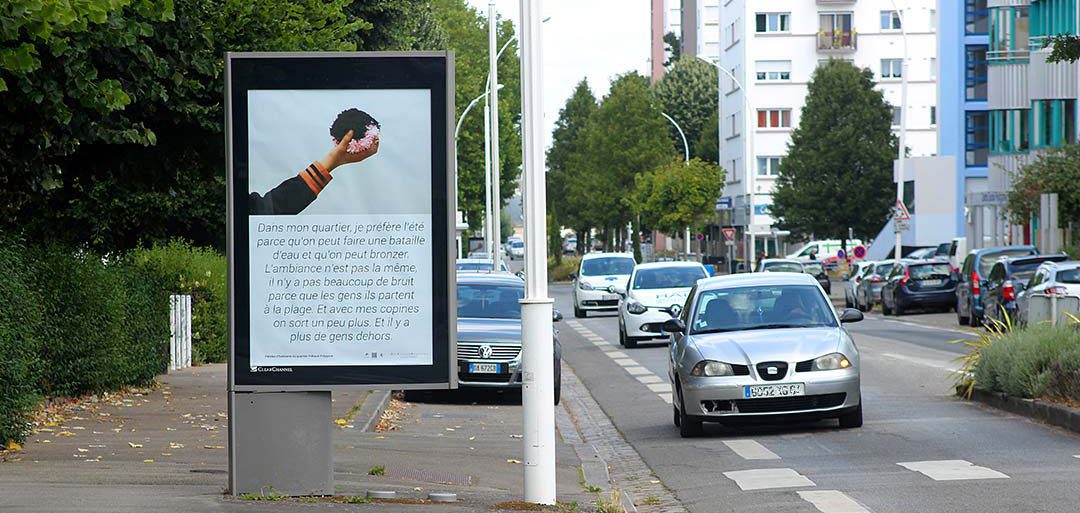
(538, 374)
(902, 157)
(493, 93)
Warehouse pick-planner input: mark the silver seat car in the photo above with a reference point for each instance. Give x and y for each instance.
(763, 347)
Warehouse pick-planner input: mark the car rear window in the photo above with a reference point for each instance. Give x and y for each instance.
(989, 259)
(929, 271)
(1069, 276)
(813, 268)
(783, 267)
(883, 269)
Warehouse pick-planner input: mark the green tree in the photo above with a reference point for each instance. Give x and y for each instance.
(467, 34)
(624, 138)
(569, 205)
(673, 47)
(838, 170)
(1055, 171)
(707, 146)
(396, 25)
(678, 195)
(1066, 48)
(688, 93)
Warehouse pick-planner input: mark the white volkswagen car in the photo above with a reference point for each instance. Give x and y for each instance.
(653, 289)
(600, 280)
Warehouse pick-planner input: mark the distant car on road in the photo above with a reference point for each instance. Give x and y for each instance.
(851, 284)
(976, 268)
(918, 284)
(762, 347)
(1050, 279)
(779, 265)
(600, 279)
(517, 249)
(489, 332)
(570, 246)
(653, 289)
(1006, 279)
(817, 270)
(823, 249)
(480, 264)
(869, 290)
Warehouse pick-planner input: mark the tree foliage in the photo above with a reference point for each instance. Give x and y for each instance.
(1055, 171)
(568, 206)
(688, 93)
(677, 195)
(1066, 48)
(838, 171)
(672, 47)
(707, 147)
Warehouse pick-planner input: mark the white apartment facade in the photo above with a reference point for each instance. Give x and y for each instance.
(773, 47)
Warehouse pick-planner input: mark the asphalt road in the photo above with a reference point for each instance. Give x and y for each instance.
(920, 450)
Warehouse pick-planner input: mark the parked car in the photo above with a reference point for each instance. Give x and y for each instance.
(762, 347)
(869, 290)
(922, 253)
(823, 249)
(779, 265)
(957, 251)
(851, 284)
(489, 332)
(600, 279)
(517, 249)
(480, 264)
(817, 270)
(1007, 278)
(652, 290)
(919, 284)
(1050, 279)
(976, 268)
(570, 246)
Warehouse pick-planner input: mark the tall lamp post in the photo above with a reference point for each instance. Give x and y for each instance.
(750, 161)
(538, 375)
(457, 130)
(493, 100)
(902, 157)
(686, 161)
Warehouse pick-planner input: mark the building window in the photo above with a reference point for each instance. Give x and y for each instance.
(773, 22)
(897, 114)
(768, 166)
(933, 115)
(892, 68)
(1009, 33)
(975, 72)
(1054, 123)
(1009, 131)
(773, 71)
(890, 20)
(774, 118)
(976, 17)
(977, 138)
(733, 127)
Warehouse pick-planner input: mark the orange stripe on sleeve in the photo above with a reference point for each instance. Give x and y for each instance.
(310, 181)
(323, 173)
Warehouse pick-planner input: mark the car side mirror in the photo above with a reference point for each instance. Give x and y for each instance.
(674, 325)
(556, 316)
(851, 315)
(673, 310)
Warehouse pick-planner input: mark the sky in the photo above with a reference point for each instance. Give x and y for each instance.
(592, 39)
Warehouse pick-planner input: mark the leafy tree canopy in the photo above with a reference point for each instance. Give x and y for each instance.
(568, 204)
(1066, 48)
(1055, 171)
(688, 93)
(677, 195)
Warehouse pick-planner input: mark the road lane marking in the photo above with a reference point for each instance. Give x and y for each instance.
(832, 501)
(638, 371)
(625, 362)
(653, 378)
(750, 450)
(655, 383)
(921, 361)
(924, 326)
(660, 387)
(768, 478)
(952, 470)
(1077, 456)
(618, 354)
(666, 398)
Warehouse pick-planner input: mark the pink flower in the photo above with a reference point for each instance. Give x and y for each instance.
(362, 144)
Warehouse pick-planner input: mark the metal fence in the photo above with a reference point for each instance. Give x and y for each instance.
(180, 332)
(1052, 309)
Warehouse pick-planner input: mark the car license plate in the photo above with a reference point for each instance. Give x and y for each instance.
(610, 297)
(782, 390)
(932, 283)
(483, 368)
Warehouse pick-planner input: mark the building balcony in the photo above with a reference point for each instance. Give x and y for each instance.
(837, 41)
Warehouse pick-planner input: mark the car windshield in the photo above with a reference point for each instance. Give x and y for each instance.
(761, 307)
(667, 277)
(1069, 276)
(929, 271)
(989, 259)
(607, 266)
(474, 266)
(489, 301)
(783, 267)
(814, 268)
(517, 244)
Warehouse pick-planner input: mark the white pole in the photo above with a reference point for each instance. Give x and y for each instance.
(493, 91)
(174, 328)
(903, 127)
(538, 376)
(487, 185)
(686, 161)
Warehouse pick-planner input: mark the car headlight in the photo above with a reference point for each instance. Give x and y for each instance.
(711, 368)
(835, 361)
(635, 307)
(584, 285)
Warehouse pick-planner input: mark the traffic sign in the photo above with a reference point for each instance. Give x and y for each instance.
(902, 213)
(701, 236)
(729, 233)
(860, 252)
(840, 254)
(724, 203)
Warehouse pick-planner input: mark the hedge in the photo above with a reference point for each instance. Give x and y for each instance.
(1040, 361)
(74, 322)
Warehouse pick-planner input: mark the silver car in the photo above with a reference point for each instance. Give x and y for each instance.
(763, 347)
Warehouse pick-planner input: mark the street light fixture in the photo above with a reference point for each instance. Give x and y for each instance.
(487, 168)
(686, 161)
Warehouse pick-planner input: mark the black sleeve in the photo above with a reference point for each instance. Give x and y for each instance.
(290, 197)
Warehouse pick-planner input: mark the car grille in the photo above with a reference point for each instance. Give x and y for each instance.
(471, 351)
(782, 404)
(781, 370)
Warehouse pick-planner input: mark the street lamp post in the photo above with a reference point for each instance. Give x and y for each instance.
(902, 157)
(493, 100)
(457, 130)
(748, 165)
(686, 161)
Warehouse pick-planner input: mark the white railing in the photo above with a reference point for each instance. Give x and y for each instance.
(180, 332)
(1051, 308)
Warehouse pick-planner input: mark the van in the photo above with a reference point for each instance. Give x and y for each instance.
(823, 249)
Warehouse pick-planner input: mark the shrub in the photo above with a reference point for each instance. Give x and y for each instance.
(20, 320)
(1038, 361)
(562, 271)
(202, 273)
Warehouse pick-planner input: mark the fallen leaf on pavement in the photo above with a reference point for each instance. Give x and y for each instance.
(80, 449)
(513, 461)
(147, 461)
(174, 445)
(14, 446)
(213, 447)
(66, 433)
(166, 454)
(135, 445)
(46, 441)
(341, 422)
(472, 438)
(515, 436)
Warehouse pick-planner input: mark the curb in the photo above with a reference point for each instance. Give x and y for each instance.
(1048, 412)
(379, 399)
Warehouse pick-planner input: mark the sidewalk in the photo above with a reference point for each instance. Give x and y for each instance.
(163, 450)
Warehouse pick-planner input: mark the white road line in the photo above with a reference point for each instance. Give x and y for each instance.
(750, 450)
(618, 354)
(1077, 456)
(832, 501)
(665, 397)
(767, 478)
(921, 361)
(660, 387)
(649, 379)
(917, 325)
(638, 371)
(952, 470)
(607, 348)
(626, 362)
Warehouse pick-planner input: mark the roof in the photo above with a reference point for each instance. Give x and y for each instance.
(489, 278)
(590, 256)
(788, 260)
(661, 265)
(751, 279)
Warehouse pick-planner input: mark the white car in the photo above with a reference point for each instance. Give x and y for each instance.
(1059, 279)
(851, 284)
(600, 280)
(517, 249)
(647, 303)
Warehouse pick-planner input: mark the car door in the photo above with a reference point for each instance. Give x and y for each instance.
(891, 282)
(963, 289)
(992, 291)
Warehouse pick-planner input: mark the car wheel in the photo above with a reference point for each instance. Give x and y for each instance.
(630, 343)
(675, 415)
(847, 301)
(622, 337)
(579, 313)
(885, 310)
(852, 419)
(558, 386)
(973, 319)
(960, 318)
(898, 310)
(689, 426)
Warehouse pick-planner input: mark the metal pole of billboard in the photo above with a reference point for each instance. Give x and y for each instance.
(493, 78)
(538, 376)
(901, 158)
